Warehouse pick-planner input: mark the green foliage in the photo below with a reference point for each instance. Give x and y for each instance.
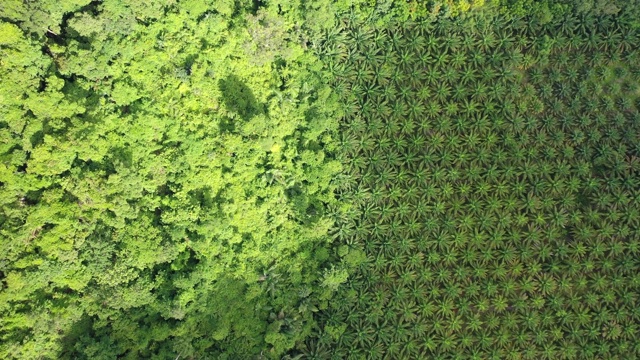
(319, 179)
(334, 278)
(39, 18)
(496, 191)
(166, 175)
(268, 38)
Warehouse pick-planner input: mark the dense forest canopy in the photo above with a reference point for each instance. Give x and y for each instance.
(294, 179)
(166, 179)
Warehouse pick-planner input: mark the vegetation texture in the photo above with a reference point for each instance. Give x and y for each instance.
(237, 179)
(165, 170)
(496, 162)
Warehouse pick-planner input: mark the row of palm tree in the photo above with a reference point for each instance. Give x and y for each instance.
(493, 163)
